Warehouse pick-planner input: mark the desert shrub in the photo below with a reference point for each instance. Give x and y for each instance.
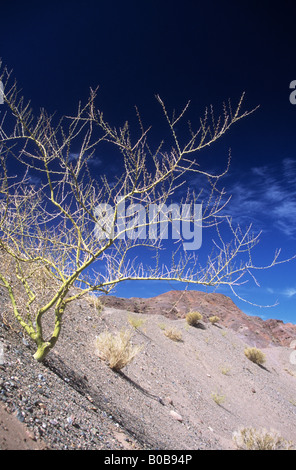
(253, 439)
(218, 399)
(173, 334)
(193, 318)
(214, 319)
(135, 321)
(255, 355)
(225, 370)
(95, 302)
(116, 349)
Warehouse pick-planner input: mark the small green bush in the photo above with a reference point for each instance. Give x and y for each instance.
(193, 318)
(255, 355)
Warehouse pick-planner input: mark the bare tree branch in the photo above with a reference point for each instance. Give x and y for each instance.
(52, 208)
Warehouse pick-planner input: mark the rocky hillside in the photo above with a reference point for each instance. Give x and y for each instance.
(176, 304)
(188, 394)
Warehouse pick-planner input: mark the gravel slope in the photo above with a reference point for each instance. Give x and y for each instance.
(165, 399)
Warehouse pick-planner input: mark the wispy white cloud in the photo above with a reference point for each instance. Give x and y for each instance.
(93, 161)
(34, 180)
(267, 195)
(289, 292)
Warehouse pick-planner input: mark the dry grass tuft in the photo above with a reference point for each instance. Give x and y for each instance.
(253, 439)
(117, 349)
(95, 302)
(173, 334)
(135, 321)
(214, 319)
(193, 318)
(255, 355)
(218, 399)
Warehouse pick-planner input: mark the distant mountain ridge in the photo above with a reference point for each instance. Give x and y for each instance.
(176, 304)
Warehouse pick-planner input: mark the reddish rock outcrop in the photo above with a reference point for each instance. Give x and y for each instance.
(176, 304)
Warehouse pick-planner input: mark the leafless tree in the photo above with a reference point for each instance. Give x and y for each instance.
(52, 208)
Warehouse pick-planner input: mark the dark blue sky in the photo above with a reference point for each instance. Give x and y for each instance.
(203, 51)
